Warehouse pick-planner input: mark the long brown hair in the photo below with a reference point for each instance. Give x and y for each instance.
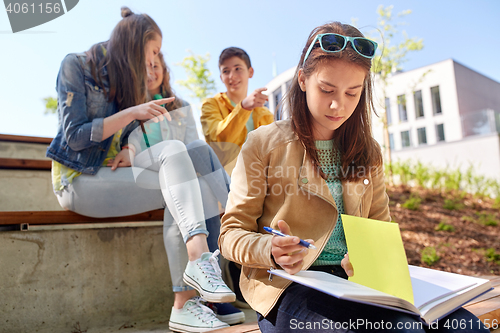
(123, 55)
(165, 88)
(353, 138)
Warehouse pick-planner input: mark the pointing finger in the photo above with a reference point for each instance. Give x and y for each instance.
(164, 100)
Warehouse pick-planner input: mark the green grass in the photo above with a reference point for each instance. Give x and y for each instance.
(411, 172)
(482, 218)
(496, 204)
(492, 256)
(453, 204)
(413, 203)
(486, 219)
(444, 227)
(429, 256)
(467, 218)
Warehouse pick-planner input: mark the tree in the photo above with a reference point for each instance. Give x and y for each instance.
(199, 81)
(389, 58)
(50, 105)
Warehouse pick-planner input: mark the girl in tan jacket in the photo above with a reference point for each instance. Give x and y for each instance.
(299, 175)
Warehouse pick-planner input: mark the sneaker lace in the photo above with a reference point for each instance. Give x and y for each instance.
(201, 311)
(212, 270)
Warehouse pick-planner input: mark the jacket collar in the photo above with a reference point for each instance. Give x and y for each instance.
(223, 99)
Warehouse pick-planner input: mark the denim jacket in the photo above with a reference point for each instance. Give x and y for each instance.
(82, 107)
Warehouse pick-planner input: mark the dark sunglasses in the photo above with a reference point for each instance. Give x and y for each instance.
(331, 43)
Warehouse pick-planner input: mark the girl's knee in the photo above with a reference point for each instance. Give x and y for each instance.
(196, 144)
(172, 147)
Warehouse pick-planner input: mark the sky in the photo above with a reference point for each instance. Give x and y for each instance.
(270, 31)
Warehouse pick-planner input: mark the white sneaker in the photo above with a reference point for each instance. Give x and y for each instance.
(194, 317)
(204, 275)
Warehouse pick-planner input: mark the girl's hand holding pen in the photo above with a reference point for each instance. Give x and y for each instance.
(287, 251)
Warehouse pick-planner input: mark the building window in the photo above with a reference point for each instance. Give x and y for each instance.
(403, 116)
(422, 137)
(391, 141)
(419, 106)
(440, 132)
(405, 139)
(436, 100)
(388, 110)
(277, 106)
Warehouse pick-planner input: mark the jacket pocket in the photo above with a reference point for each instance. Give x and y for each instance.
(96, 100)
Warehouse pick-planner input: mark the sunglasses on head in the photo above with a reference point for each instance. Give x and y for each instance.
(332, 43)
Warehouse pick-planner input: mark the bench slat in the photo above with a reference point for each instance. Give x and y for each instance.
(66, 217)
(489, 308)
(23, 163)
(25, 139)
(490, 294)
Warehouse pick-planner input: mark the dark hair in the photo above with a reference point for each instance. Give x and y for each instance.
(123, 55)
(354, 137)
(234, 52)
(165, 88)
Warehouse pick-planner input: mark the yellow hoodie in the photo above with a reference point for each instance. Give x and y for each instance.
(222, 122)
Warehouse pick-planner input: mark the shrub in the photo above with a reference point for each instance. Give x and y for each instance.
(452, 204)
(492, 256)
(486, 219)
(444, 227)
(404, 170)
(422, 174)
(496, 204)
(429, 256)
(467, 218)
(413, 203)
(452, 180)
(437, 179)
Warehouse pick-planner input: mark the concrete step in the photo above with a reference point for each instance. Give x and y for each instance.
(27, 190)
(55, 280)
(9, 149)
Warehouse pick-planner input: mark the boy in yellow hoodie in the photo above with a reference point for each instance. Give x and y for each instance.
(229, 116)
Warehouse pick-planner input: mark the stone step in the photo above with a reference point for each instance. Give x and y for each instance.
(27, 190)
(14, 146)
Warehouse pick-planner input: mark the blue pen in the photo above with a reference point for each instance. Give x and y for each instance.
(279, 233)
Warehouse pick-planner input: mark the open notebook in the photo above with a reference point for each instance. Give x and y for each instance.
(383, 278)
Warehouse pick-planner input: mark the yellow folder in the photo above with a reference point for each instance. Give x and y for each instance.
(377, 255)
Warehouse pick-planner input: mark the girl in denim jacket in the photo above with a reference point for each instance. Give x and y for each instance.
(101, 100)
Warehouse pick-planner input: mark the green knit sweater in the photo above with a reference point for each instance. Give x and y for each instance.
(330, 162)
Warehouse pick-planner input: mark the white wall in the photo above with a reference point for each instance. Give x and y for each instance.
(483, 152)
(406, 83)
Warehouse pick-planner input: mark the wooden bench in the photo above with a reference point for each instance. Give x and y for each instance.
(26, 218)
(487, 306)
(21, 220)
(24, 163)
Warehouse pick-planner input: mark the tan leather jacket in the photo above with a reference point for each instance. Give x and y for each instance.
(274, 180)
